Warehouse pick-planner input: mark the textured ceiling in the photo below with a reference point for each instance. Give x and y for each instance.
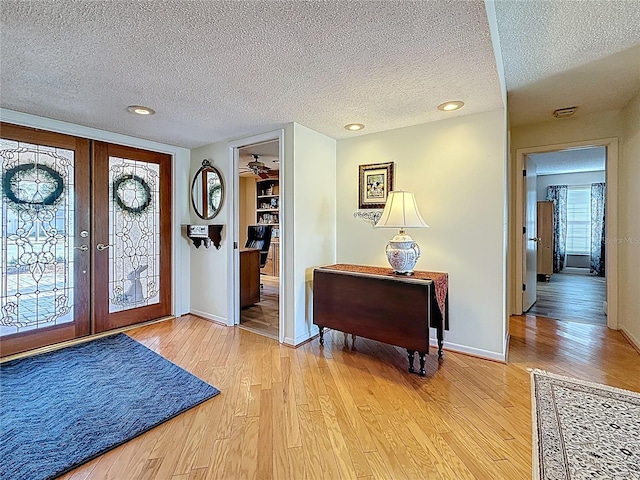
(576, 160)
(219, 70)
(565, 53)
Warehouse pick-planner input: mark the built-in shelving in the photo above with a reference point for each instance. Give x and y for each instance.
(268, 204)
(268, 213)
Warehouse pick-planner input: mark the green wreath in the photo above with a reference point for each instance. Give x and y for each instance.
(140, 185)
(9, 181)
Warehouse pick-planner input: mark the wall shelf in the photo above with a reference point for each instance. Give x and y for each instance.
(205, 234)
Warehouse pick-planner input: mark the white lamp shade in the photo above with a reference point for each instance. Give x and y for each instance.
(401, 211)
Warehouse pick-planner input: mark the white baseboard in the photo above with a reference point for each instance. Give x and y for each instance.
(476, 352)
(634, 340)
(208, 316)
(294, 342)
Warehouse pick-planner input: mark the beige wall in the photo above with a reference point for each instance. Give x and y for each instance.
(313, 224)
(585, 128)
(457, 171)
(628, 240)
(209, 266)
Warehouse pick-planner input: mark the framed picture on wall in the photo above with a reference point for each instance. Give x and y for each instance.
(374, 184)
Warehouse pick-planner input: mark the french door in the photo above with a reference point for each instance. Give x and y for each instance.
(131, 228)
(86, 242)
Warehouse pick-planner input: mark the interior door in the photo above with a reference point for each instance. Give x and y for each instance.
(529, 273)
(131, 236)
(44, 246)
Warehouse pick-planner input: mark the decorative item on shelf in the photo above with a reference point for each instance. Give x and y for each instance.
(371, 216)
(401, 212)
(206, 234)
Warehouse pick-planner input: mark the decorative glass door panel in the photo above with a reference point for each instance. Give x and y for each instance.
(44, 256)
(134, 234)
(132, 259)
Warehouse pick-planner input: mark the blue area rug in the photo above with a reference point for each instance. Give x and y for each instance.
(60, 409)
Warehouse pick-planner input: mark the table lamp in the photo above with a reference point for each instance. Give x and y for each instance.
(401, 212)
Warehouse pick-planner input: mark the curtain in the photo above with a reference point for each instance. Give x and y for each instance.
(598, 191)
(558, 195)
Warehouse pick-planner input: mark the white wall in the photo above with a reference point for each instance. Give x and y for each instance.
(579, 178)
(181, 276)
(457, 171)
(629, 223)
(579, 129)
(209, 290)
(314, 222)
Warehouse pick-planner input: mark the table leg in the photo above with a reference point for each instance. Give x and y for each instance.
(439, 333)
(322, 336)
(411, 354)
(353, 342)
(346, 341)
(422, 371)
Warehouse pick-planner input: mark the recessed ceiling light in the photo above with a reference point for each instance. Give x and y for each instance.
(354, 127)
(140, 110)
(450, 106)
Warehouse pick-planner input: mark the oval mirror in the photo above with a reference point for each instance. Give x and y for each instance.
(207, 191)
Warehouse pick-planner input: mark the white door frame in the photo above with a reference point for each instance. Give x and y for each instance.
(233, 260)
(611, 220)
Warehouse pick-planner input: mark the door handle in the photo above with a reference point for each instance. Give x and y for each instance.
(102, 246)
(84, 248)
(535, 239)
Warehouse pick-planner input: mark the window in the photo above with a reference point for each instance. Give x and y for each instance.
(579, 220)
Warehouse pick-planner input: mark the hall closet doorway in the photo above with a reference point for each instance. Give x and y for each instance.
(86, 237)
(259, 220)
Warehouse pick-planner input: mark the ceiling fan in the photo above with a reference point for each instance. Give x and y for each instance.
(257, 167)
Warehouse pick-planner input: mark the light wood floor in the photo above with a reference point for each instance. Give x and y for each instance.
(264, 317)
(314, 413)
(571, 297)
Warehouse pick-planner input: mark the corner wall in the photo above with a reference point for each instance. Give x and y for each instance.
(628, 240)
(457, 171)
(314, 222)
(308, 211)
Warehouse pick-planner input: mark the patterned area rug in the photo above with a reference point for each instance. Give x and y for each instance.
(60, 409)
(583, 430)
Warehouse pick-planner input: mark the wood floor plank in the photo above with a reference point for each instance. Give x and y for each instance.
(265, 436)
(329, 463)
(249, 463)
(310, 447)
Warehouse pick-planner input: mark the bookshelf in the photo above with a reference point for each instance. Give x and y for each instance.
(268, 213)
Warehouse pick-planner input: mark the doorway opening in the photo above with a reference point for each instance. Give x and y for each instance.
(571, 265)
(567, 267)
(259, 228)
